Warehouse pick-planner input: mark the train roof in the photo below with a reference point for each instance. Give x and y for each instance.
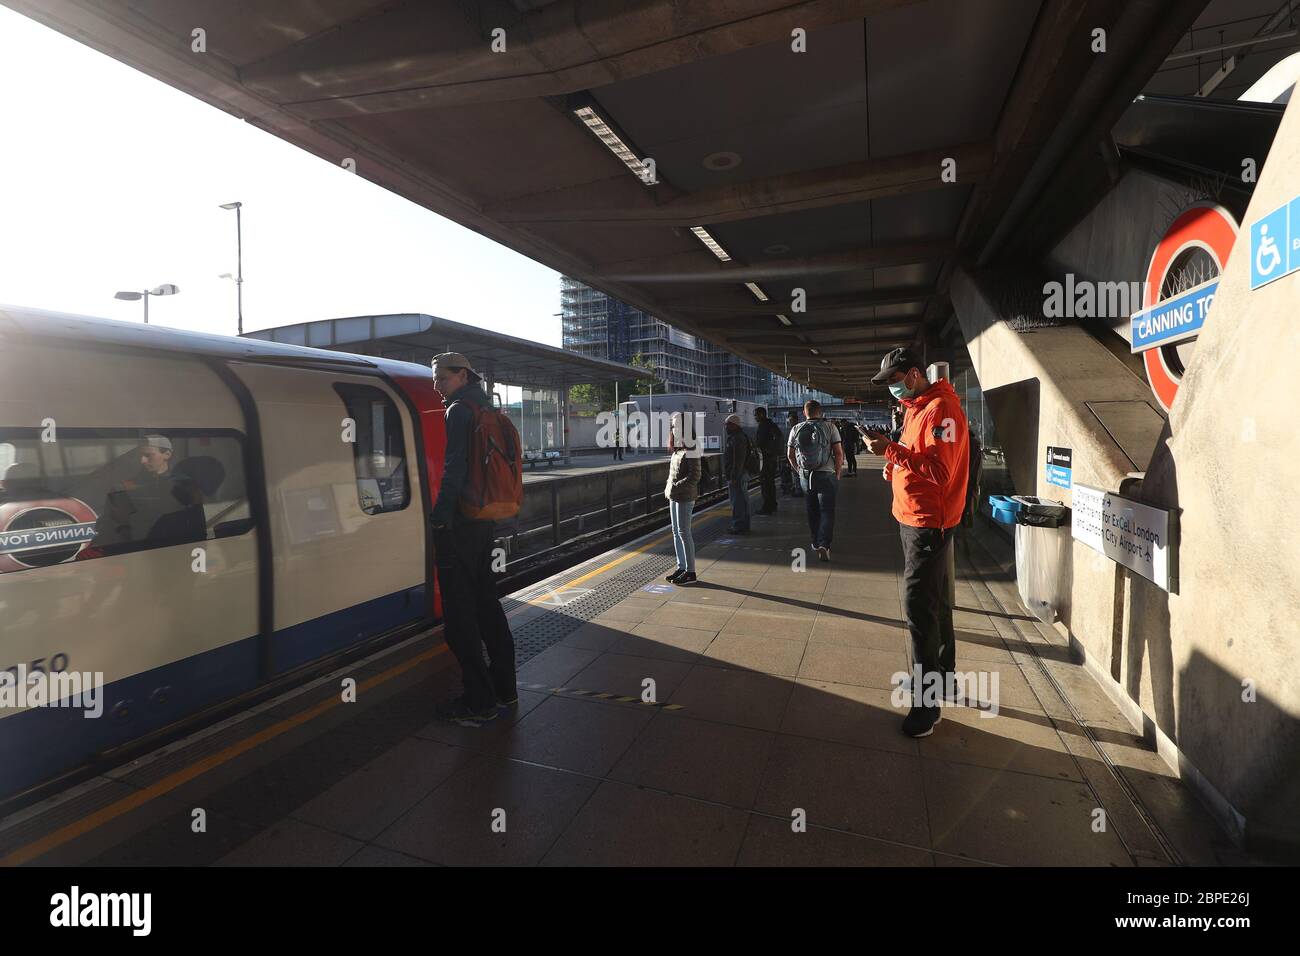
(21, 322)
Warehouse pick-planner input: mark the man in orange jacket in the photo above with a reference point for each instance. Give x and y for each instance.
(928, 468)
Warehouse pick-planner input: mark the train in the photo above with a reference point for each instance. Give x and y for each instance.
(188, 518)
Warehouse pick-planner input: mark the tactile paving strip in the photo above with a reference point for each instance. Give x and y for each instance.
(554, 625)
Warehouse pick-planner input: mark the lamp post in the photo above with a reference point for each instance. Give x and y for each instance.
(239, 263)
(165, 289)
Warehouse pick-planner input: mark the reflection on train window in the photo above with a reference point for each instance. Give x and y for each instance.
(379, 452)
(97, 492)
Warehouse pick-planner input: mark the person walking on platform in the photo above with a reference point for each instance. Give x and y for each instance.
(973, 481)
(789, 480)
(849, 435)
(682, 489)
(736, 459)
(928, 469)
(770, 444)
(816, 453)
(472, 615)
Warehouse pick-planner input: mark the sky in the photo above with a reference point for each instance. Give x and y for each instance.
(111, 181)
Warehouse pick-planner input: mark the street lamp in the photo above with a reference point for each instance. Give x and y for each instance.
(239, 263)
(165, 289)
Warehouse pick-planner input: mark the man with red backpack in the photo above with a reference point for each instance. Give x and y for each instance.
(482, 480)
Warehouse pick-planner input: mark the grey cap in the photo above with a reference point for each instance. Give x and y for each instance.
(161, 442)
(455, 360)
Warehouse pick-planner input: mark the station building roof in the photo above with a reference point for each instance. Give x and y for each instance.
(417, 337)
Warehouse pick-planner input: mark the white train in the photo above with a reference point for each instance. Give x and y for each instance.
(188, 517)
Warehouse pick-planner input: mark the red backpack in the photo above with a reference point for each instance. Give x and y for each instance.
(494, 483)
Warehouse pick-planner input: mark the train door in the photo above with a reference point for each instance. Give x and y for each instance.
(347, 529)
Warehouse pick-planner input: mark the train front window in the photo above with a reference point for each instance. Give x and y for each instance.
(79, 493)
(378, 448)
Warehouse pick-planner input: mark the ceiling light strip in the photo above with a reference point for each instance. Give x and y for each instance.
(597, 125)
(710, 243)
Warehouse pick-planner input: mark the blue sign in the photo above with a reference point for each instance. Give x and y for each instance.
(1060, 466)
(1275, 244)
(1172, 320)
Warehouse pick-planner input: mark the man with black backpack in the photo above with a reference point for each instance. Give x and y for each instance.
(817, 456)
(771, 445)
(471, 495)
(739, 464)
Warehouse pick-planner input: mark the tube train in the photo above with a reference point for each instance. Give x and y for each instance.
(192, 517)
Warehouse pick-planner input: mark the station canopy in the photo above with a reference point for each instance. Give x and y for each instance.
(793, 181)
(415, 337)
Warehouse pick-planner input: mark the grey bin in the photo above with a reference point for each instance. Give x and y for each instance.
(1042, 556)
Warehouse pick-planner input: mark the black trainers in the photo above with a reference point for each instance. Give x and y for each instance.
(460, 711)
(921, 721)
(508, 701)
(672, 578)
(687, 578)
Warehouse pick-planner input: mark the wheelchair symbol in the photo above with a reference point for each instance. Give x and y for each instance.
(1267, 250)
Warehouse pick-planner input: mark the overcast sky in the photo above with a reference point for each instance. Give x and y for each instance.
(111, 180)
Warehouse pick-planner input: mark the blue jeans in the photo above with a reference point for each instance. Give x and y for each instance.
(820, 505)
(739, 491)
(683, 543)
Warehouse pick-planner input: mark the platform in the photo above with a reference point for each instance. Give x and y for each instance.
(772, 697)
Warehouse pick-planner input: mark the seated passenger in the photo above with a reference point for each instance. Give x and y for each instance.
(157, 503)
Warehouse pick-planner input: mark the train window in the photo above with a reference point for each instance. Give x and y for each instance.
(94, 492)
(379, 451)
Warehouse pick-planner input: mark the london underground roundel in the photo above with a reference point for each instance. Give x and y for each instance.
(1181, 281)
(36, 534)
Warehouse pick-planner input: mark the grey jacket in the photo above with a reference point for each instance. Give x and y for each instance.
(683, 478)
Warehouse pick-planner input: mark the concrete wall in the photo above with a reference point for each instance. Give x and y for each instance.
(1231, 464)
(1227, 460)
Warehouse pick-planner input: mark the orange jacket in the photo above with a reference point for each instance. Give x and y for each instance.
(932, 461)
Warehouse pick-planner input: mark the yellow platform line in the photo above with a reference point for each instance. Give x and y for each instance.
(65, 834)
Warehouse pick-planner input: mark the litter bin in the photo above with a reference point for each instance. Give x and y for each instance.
(1042, 555)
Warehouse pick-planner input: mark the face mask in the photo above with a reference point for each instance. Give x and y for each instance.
(899, 390)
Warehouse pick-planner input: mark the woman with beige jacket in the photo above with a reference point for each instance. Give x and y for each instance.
(682, 489)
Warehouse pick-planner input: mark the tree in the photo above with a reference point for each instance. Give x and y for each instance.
(650, 381)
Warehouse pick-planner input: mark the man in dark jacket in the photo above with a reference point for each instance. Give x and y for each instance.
(471, 613)
(733, 468)
(771, 445)
(790, 483)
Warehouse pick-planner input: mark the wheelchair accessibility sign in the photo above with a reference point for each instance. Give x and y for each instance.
(1275, 244)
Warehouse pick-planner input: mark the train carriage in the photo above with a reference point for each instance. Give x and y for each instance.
(189, 519)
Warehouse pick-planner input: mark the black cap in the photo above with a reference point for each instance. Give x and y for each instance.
(899, 360)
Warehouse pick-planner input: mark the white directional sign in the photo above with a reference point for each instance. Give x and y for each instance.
(1138, 536)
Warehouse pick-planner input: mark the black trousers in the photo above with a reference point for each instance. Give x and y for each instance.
(472, 615)
(926, 603)
(767, 482)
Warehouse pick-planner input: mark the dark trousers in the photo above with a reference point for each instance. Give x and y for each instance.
(819, 502)
(618, 452)
(927, 603)
(767, 482)
(738, 491)
(789, 482)
(851, 461)
(471, 613)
